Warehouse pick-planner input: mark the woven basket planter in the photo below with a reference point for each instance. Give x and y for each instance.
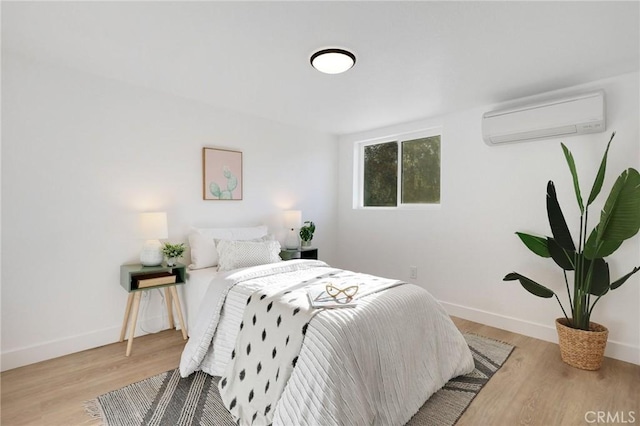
(580, 348)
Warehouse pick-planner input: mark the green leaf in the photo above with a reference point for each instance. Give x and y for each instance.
(574, 175)
(617, 283)
(214, 189)
(538, 245)
(599, 278)
(601, 249)
(559, 227)
(225, 195)
(597, 183)
(530, 285)
(620, 219)
(562, 257)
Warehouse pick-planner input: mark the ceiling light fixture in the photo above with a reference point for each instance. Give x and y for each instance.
(333, 61)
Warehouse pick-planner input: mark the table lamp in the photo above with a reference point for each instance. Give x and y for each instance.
(293, 221)
(153, 227)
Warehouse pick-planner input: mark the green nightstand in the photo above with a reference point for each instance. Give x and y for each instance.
(136, 278)
(299, 253)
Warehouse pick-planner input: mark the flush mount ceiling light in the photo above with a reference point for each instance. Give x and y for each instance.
(333, 61)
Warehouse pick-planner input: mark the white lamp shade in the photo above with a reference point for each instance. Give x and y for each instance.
(153, 226)
(292, 219)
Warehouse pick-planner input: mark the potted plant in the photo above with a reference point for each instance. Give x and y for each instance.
(173, 252)
(582, 342)
(306, 233)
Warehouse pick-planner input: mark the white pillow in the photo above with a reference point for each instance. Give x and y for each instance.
(203, 247)
(241, 254)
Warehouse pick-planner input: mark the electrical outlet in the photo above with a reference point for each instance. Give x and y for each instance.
(413, 272)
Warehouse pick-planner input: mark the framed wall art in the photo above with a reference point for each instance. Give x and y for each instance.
(221, 174)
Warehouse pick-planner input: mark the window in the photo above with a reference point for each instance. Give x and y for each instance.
(400, 172)
(381, 175)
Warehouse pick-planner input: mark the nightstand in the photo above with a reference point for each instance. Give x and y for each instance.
(299, 253)
(136, 278)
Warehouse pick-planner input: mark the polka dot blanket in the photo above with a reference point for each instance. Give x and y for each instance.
(271, 334)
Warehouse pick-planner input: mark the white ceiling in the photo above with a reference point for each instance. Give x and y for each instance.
(414, 59)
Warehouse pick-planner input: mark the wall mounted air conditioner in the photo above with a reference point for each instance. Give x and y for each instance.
(545, 120)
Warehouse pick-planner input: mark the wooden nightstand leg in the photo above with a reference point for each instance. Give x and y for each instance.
(134, 319)
(126, 317)
(176, 300)
(167, 297)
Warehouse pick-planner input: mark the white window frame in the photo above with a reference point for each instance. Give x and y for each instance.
(358, 169)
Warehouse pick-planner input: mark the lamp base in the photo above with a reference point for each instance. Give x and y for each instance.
(151, 254)
(292, 242)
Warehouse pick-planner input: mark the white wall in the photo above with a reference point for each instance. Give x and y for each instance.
(82, 155)
(464, 248)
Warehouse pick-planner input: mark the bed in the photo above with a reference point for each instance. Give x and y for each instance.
(374, 364)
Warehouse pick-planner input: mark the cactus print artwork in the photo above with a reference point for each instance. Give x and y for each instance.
(222, 174)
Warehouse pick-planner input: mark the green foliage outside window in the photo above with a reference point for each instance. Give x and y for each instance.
(381, 175)
(419, 171)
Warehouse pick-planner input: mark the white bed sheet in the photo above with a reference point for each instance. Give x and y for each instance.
(193, 293)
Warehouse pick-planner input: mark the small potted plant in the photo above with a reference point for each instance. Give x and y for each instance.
(582, 342)
(306, 233)
(173, 252)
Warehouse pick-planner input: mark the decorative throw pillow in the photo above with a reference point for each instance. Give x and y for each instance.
(203, 247)
(241, 254)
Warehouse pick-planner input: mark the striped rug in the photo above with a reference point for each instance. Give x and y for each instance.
(167, 399)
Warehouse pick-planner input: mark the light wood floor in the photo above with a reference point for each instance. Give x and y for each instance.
(534, 387)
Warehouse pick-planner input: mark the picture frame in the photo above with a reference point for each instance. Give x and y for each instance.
(221, 174)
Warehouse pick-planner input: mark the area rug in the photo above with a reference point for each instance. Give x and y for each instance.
(167, 399)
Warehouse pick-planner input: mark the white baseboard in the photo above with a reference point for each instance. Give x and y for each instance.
(53, 349)
(617, 350)
(57, 348)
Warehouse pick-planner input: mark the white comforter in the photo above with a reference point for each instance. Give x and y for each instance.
(375, 364)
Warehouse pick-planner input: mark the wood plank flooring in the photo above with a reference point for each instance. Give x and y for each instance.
(534, 387)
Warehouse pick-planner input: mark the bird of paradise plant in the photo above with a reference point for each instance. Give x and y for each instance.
(619, 221)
